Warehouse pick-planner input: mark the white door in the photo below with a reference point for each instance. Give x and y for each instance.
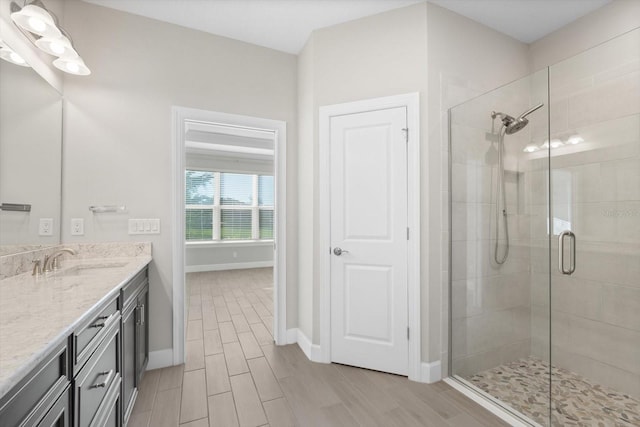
(369, 225)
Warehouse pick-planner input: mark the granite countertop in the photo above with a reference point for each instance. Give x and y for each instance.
(38, 313)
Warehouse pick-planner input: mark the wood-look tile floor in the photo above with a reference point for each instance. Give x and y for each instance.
(234, 375)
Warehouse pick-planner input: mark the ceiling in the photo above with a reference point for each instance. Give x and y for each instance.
(524, 20)
(285, 25)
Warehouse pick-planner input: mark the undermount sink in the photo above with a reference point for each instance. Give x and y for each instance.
(90, 269)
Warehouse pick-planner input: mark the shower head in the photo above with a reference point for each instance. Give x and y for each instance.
(516, 125)
(513, 125)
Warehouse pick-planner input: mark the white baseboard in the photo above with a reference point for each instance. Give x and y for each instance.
(292, 336)
(312, 351)
(160, 359)
(229, 266)
(431, 372)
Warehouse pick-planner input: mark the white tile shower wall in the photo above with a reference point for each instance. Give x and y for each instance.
(595, 318)
(491, 302)
(465, 59)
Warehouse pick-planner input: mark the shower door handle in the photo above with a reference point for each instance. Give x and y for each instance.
(572, 252)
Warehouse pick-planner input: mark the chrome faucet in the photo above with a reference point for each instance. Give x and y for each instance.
(37, 268)
(52, 263)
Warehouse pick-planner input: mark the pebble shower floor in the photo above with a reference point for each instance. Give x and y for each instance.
(577, 401)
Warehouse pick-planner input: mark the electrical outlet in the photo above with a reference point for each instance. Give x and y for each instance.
(77, 226)
(46, 227)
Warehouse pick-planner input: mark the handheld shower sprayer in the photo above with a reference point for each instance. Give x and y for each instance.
(510, 126)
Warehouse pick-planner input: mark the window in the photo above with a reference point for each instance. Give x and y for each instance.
(228, 206)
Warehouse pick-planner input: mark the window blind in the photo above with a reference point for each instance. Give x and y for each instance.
(228, 206)
(199, 187)
(236, 189)
(235, 224)
(265, 190)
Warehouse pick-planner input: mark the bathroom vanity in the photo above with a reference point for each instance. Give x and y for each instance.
(74, 343)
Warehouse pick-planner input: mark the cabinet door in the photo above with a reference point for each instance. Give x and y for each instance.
(128, 360)
(142, 335)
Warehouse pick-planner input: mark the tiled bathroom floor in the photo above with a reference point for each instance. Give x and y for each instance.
(235, 376)
(524, 385)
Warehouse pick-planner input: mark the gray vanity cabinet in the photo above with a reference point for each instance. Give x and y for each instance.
(135, 338)
(30, 401)
(91, 378)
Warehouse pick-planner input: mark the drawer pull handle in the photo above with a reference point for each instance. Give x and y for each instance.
(106, 380)
(100, 325)
(140, 314)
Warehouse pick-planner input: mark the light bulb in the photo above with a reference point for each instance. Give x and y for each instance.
(575, 139)
(13, 57)
(37, 20)
(17, 58)
(555, 143)
(57, 48)
(73, 67)
(530, 148)
(545, 145)
(37, 24)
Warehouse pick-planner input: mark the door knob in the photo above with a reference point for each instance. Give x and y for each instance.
(338, 251)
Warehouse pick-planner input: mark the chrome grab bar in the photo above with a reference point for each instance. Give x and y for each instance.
(572, 253)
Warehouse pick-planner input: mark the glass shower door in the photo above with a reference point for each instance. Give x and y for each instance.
(499, 243)
(595, 227)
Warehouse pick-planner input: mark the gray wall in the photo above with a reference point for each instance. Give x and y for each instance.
(117, 146)
(422, 48)
(228, 256)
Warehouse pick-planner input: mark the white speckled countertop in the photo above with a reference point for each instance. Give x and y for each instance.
(38, 313)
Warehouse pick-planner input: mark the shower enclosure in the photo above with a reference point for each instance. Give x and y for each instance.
(545, 241)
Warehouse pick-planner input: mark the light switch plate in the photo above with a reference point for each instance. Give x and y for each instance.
(144, 226)
(45, 227)
(77, 226)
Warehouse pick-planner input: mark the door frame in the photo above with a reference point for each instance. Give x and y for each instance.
(411, 101)
(279, 128)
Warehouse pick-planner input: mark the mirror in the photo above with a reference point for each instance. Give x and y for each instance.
(30, 160)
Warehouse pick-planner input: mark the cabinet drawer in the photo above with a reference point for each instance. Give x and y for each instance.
(108, 415)
(60, 414)
(130, 290)
(30, 400)
(96, 378)
(87, 337)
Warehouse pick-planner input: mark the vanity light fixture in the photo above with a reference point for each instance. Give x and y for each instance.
(36, 19)
(57, 46)
(72, 66)
(41, 27)
(554, 143)
(9, 55)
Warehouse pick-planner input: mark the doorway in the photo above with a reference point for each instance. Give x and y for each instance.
(369, 303)
(221, 153)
